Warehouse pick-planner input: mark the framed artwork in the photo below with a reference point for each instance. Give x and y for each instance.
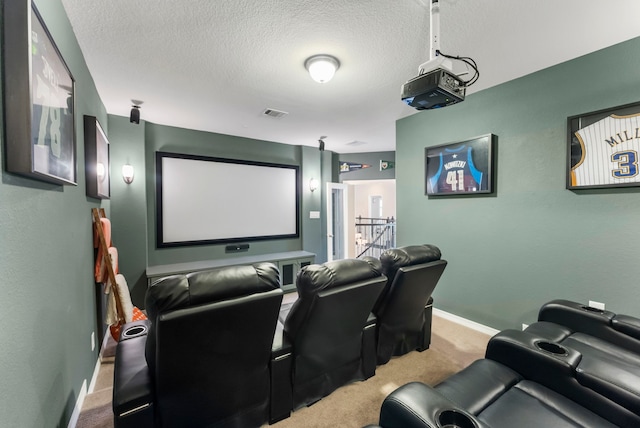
(603, 148)
(96, 159)
(460, 168)
(38, 99)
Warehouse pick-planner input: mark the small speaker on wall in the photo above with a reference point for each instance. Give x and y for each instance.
(236, 248)
(134, 116)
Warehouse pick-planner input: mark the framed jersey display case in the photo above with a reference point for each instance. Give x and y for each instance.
(603, 148)
(460, 168)
(38, 99)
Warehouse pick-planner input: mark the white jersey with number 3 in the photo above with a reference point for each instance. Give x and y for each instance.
(610, 150)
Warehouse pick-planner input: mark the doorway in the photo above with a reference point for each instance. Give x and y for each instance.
(337, 221)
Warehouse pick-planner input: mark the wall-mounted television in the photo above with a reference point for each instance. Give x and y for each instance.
(203, 200)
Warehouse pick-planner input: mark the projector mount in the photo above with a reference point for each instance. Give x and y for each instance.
(437, 85)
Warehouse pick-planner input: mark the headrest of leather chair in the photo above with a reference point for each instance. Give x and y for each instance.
(395, 258)
(314, 278)
(181, 291)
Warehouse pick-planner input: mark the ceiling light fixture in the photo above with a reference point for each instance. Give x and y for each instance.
(322, 67)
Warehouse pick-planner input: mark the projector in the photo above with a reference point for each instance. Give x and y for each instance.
(435, 89)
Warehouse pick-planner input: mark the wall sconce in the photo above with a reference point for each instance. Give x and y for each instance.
(313, 184)
(322, 67)
(101, 171)
(127, 173)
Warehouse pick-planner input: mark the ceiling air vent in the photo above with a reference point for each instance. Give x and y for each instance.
(274, 113)
(356, 143)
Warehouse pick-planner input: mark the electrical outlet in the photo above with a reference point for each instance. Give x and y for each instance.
(524, 326)
(93, 340)
(596, 305)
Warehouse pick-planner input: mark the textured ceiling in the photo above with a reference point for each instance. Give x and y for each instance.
(217, 65)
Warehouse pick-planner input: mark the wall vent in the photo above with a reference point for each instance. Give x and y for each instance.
(274, 113)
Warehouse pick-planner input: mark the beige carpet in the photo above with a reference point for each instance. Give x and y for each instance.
(453, 347)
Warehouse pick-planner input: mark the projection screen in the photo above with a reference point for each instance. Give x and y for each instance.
(205, 200)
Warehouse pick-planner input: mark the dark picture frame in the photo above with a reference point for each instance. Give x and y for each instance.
(96, 159)
(39, 99)
(603, 148)
(460, 168)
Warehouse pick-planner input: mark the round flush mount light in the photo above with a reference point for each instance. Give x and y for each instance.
(322, 67)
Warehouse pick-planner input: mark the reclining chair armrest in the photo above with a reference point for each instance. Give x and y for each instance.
(281, 402)
(133, 398)
(594, 322)
(417, 405)
(627, 324)
(574, 315)
(535, 358)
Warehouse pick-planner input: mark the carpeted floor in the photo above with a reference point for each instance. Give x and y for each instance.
(453, 347)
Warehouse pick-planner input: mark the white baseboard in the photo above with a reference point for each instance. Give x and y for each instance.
(94, 378)
(84, 391)
(78, 407)
(465, 322)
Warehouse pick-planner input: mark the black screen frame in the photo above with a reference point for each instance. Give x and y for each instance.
(160, 239)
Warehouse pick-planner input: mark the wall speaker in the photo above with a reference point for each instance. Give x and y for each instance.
(134, 117)
(236, 248)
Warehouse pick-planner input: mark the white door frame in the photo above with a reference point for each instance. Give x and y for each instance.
(330, 238)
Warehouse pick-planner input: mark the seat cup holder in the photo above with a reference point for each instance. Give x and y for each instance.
(136, 330)
(454, 419)
(552, 348)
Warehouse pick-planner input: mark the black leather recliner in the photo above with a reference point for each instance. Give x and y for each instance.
(329, 328)
(524, 381)
(207, 348)
(486, 394)
(608, 346)
(404, 308)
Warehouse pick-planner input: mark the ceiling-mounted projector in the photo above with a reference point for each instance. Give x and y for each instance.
(437, 88)
(436, 84)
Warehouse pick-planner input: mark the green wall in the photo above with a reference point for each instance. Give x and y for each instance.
(371, 173)
(129, 203)
(133, 206)
(533, 241)
(46, 263)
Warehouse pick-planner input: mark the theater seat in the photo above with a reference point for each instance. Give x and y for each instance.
(485, 394)
(608, 347)
(330, 329)
(204, 359)
(404, 308)
(524, 380)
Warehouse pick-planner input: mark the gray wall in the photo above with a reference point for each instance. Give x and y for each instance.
(534, 240)
(46, 264)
